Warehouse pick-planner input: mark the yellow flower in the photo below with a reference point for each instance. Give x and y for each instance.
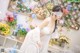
(7, 27)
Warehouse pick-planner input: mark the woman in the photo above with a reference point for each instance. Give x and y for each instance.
(46, 28)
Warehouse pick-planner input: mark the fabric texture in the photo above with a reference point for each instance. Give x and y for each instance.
(30, 43)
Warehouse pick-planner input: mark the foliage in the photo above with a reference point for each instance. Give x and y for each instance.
(12, 23)
(22, 32)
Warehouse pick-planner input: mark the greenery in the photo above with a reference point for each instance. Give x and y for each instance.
(22, 32)
(2, 29)
(74, 0)
(13, 23)
(23, 8)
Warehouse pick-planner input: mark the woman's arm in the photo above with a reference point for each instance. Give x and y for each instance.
(44, 23)
(52, 23)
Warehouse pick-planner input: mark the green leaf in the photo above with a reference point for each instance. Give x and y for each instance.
(2, 29)
(22, 32)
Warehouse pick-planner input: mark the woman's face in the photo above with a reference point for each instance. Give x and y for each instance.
(58, 15)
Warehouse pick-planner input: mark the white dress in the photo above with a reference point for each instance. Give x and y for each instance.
(45, 40)
(29, 46)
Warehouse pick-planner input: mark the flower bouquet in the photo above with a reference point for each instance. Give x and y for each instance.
(49, 6)
(4, 29)
(41, 12)
(71, 23)
(21, 33)
(62, 41)
(11, 20)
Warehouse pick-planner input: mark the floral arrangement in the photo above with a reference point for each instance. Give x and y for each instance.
(11, 19)
(61, 41)
(71, 14)
(22, 32)
(19, 6)
(73, 0)
(4, 29)
(71, 22)
(41, 12)
(49, 6)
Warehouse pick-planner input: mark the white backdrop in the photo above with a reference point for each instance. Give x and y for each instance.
(3, 7)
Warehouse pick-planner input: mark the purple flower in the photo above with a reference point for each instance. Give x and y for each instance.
(27, 29)
(33, 15)
(19, 26)
(15, 15)
(69, 6)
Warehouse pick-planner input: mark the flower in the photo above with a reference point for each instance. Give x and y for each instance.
(4, 29)
(65, 11)
(10, 19)
(27, 29)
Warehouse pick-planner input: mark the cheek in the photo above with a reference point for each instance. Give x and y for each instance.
(59, 17)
